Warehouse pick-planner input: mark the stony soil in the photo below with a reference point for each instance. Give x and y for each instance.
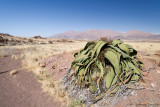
(58, 65)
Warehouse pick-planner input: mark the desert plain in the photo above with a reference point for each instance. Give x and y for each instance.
(30, 69)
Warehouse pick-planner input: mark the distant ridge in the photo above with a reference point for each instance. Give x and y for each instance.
(93, 34)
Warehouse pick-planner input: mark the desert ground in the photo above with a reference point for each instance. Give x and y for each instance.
(30, 70)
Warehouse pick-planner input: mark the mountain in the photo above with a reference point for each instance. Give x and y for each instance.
(94, 34)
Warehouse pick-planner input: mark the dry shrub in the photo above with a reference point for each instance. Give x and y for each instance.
(43, 43)
(12, 43)
(6, 51)
(109, 40)
(15, 57)
(3, 40)
(64, 40)
(50, 42)
(30, 40)
(1, 44)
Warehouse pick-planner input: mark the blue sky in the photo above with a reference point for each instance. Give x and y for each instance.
(47, 17)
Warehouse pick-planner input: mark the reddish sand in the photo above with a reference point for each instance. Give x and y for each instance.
(24, 90)
(21, 89)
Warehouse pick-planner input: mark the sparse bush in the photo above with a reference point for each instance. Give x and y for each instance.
(12, 43)
(70, 41)
(3, 40)
(33, 43)
(42, 43)
(1, 44)
(64, 40)
(30, 40)
(50, 42)
(20, 43)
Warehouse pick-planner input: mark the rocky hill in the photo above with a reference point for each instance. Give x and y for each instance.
(95, 34)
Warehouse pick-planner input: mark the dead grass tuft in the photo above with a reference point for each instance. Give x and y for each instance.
(15, 57)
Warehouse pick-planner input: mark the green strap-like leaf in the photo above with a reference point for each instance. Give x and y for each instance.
(114, 58)
(81, 72)
(123, 47)
(86, 69)
(114, 90)
(115, 80)
(99, 48)
(135, 69)
(124, 55)
(100, 66)
(115, 42)
(135, 78)
(132, 52)
(99, 44)
(109, 77)
(93, 88)
(80, 58)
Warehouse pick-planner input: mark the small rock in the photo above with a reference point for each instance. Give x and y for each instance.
(13, 72)
(147, 54)
(61, 69)
(42, 65)
(65, 67)
(36, 59)
(53, 67)
(145, 73)
(124, 97)
(153, 85)
(158, 71)
(133, 92)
